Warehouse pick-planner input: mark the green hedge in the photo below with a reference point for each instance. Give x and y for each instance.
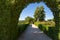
(37, 23)
(43, 27)
(22, 28)
(50, 31)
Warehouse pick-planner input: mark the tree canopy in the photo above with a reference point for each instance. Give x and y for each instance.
(29, 19)
(39, 14)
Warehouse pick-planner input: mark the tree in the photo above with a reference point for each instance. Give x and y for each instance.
(39, 14)
(51, 19)
(29, 19)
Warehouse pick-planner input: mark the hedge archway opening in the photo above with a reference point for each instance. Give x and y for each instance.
(10, 11)
(35, 5)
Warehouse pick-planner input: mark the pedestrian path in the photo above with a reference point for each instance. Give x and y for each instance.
(33, 33)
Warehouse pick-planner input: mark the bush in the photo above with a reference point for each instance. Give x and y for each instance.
(50, 31)
(37, 23)
(43, 27)
(22, 28)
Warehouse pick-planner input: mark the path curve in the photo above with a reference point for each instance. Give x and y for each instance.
(33, 33)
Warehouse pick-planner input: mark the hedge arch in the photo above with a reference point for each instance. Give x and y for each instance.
(10, 11)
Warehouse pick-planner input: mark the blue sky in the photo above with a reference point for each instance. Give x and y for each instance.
(30, 9)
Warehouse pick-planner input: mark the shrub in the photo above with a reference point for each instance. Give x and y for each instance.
(50, 31)
(37, 23)
(43, 27)
(22, 28)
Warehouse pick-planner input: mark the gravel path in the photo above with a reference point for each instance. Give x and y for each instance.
(33, 33)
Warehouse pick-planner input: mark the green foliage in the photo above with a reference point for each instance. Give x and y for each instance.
(43, 27)
(22, 22)
(49, 23)
(46, 23)
(39, 14)
(51, 19)
(29, 19)
(22, 28)
(37, 23)
(50, 31)
(9, 13)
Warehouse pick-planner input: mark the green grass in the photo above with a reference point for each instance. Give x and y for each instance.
(48, 24)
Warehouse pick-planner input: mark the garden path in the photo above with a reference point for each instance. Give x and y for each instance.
(33, 33)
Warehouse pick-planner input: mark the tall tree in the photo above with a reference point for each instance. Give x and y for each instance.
(39, 14)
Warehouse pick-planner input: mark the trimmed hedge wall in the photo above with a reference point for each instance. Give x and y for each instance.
(50, 31)
(22, 28)
(9, 13)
